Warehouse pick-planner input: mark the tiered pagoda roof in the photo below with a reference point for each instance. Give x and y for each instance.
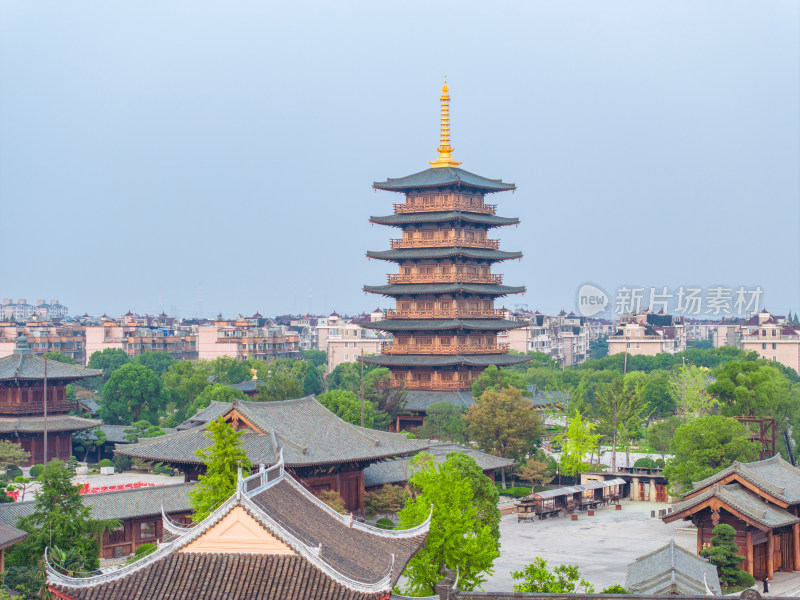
(272, 538)
(399, 289)
(400, 254)
(443, 177)
(398, 220)
(24, 365)
(443, 324)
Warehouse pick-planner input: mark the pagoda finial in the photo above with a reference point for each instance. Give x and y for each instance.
(444, 149)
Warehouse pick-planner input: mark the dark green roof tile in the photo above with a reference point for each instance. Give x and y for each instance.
(418, 360)
(442, 324)
(424, 253)
(443, 177)
(443, 288)
(439, 217)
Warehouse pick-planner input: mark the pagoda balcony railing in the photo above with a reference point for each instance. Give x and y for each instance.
(446, 313)
(445, 205)
(446, 278)
(442, 349)
(36, 407)
(445, 242)
(434, 385)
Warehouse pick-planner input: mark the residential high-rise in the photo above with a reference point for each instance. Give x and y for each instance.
(445, 323)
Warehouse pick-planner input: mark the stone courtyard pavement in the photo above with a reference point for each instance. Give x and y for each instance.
(601, 546)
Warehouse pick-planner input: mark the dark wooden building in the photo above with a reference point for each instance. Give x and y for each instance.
(23, 391)
(272, 540)
(321, 449)
(761, 500)
(445, 324)
(138, 510)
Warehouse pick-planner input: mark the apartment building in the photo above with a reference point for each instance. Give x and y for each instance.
(45, 337)
(647, 334)
(136, 339)
(773, 338)
(241, 339)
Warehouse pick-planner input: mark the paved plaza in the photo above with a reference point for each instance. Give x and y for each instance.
(601, 546)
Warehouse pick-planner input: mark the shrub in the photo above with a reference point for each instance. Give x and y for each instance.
(745, 579)
(122, 463)
(332, 499)
(105, 463)
(161, 468)
(660, 463)
(615, 589)
(36, 470)
(13, 471)
(144, 549)
(72, 463)
(514, 492)
(645, 463)
(384, 523)
(389, 498)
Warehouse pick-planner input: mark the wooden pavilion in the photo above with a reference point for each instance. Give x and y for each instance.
(761, 501)
(25, 381)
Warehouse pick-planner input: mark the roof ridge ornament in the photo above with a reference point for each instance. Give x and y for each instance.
(444, 149)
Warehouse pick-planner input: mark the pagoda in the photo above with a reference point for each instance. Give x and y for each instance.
(445, 324)
(34, 408)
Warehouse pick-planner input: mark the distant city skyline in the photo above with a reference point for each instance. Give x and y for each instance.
(218, 160)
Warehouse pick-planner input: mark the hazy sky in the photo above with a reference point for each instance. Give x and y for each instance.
(218, 156)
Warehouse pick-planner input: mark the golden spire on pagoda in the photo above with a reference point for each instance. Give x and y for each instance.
(445, 160)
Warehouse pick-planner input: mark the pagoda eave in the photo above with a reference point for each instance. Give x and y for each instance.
(403, 254)
(403, 289)
(427, 360)
(421, 218)
(443, 324)
(443, 177)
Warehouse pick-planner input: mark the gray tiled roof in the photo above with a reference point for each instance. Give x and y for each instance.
(398, 470)
(54, 423)
(115, 434)
(308, 433)
(672, 570)
(422, 253)
(443, 177)
(90, 405)
(743, 500)
(10, 535)
(23, 364)
(438, 217)
(774, 475)
(424, 399)
(127, 504)
(414, 360)
(444, 288)
(442, 324)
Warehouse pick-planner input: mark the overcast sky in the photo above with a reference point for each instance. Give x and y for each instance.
(200, 157)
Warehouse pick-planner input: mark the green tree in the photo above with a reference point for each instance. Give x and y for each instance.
(687, 386)
(444, 421)
(312, 381)
(60, 357)
(705, 445)
(157, 362)
(496, 379)
(12, 454)
(656, 393)
(536, 472)
(457, 537)
(280, 386)
(504, 423)
(132, 393)
(222, 459)
(216, 392)
(661, 433)
(347, 376)
(142, 429)
(317, 358)
(614, 406)
(109, 360)
(754, 389)
(186, 380)
(576, 442)
(598, 348)
(563, 579)
(60, 519)
(347, 406)
(724, 554)
(485, 495)
(84, 441)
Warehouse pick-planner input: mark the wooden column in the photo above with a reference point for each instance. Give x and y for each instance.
(699, 538)
(749, 557)
(796, 562)
(770, 554)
